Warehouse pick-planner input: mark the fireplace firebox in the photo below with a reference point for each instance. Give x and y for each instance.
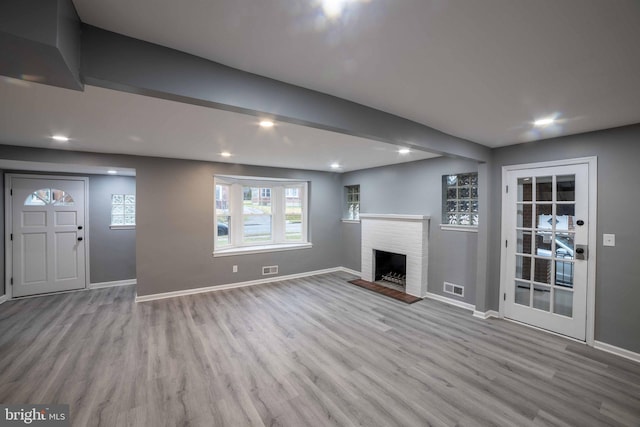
(390, 269)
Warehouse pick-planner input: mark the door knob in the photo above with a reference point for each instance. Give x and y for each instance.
(578, 251)
(79, 227)
(580, 222)
(79, 239)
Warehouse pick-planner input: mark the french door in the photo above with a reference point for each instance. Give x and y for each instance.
(546, 236)
(47, 235)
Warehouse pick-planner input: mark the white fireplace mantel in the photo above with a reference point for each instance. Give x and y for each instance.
(401, 234)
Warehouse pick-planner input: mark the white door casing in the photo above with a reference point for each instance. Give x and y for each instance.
(48, 234)
(548, 218)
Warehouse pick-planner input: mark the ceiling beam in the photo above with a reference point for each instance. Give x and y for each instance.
(40, 42)
(123, 63)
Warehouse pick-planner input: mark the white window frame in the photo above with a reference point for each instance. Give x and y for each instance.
(278, 220)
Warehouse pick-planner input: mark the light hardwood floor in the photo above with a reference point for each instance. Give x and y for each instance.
(306, 352)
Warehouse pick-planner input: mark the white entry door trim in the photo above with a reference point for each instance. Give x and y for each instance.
(592, 163)
(8, 224)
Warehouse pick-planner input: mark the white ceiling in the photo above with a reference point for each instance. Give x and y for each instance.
(106, 121)
(480, 70)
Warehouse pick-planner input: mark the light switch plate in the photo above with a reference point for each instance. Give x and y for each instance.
(608, 240)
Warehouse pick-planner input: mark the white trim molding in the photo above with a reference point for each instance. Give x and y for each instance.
(451, 301)
(627, 354)
(350, 271)
(486, 314)
(206, 289)
(100, 285)
(4, 298)
(399, 217)
(464, 228)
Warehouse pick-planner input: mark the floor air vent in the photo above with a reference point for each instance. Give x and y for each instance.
(450, 288)
(269, 269)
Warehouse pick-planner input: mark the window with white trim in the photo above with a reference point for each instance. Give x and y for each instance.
(460, 199)
(123, 210)
(259, 212)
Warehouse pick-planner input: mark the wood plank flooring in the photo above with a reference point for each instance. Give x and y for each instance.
(308, 352)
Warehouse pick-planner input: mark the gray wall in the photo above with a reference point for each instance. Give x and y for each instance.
(618, 269)
(175, 226)
(416, 188)
(113, 252)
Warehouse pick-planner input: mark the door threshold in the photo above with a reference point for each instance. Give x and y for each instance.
(545, 330)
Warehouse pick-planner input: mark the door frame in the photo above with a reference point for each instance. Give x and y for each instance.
(8, 228)
(592, 163)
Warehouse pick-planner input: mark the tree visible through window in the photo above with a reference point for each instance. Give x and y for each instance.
(460, 199)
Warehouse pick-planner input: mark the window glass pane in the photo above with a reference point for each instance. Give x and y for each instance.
(129, 220)
(452, 180)
(524, 216)
(474, 219)
(523, 242)
(525, 190)
(565, 217)
(566, 188)
(222, 200)
(523, 267)
(224, 225)
(544, 219)
(130, 209)
(256, 201)
(129, 199)
(563, 302)
(117, 219)
(117, 209)
(564, 245)
(452, 194)
(293, 214)
(542, 297)
(564, 274)
(542, 270)
(257, 228)
(543, 243)
(544, 188)
(117, 199)
(522, 293)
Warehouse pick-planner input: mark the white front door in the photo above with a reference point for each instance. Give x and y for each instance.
(547, 254)
(48, 253)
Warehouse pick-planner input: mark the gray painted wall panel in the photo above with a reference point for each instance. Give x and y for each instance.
(618, 269)
(175, 227)
(113, 252)
(416, 188)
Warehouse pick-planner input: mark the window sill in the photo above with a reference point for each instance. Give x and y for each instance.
(260, 249)
(122, 227)
(351, 221)
(465, 228)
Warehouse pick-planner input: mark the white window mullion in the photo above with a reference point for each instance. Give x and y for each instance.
(236, 214)
(278, 204)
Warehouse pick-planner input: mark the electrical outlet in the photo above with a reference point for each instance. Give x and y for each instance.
(235, 268)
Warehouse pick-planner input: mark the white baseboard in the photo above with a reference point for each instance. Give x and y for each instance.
(627, 354)
(350, 271)
(112, 284)
(4, 298)
(485, 314)
(451, 301)
(272, 279)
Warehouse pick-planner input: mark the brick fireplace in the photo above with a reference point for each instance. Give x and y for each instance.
(399, 234)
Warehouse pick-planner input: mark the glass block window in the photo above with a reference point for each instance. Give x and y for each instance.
(123, 209)
(352, 199)
(460, 199)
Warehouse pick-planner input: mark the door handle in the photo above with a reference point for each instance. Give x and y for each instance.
(79, 239)
(79, 227)
(581, 252)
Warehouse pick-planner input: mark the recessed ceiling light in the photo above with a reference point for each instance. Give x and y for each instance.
(225, 154)
(112, 172)
(404, 151)
(60, 138)
(335, 165)
(544, 122)
(266, 124)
